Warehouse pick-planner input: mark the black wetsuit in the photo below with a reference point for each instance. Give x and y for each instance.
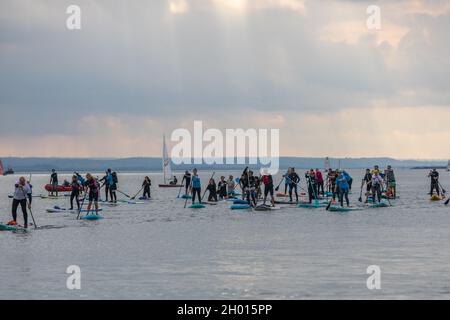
(312, 194)
(76, 189)
(146, 184)
(212, 188)
(293, 179)
(222, 189)
(368, 180)
(434, 176)
(187, 178)
(54, 182)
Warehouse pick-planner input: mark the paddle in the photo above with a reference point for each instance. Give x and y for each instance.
(446, 202)
(181, 186)
(132, 198)
(443, 190)
(278, 186)
(204, 193)
(124, 193)
(360, 194)
(185, 202)
(29, 208)
(82, 204)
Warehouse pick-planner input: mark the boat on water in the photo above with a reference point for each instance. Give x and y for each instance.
(6, 172)
(167, 169)
(448, 165)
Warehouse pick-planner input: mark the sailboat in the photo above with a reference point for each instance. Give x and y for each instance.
(167, 169)
(327, 164)
(448, 165)
(9, 170)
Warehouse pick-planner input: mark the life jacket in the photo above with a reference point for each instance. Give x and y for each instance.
(266, 180)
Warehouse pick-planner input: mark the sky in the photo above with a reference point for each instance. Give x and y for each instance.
(311, 68)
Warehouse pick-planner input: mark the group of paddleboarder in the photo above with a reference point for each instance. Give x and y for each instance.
(336, 185)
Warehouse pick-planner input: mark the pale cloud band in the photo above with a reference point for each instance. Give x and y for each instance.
(310, 68)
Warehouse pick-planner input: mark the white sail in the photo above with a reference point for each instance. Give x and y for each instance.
(167, 169)
(327, 163)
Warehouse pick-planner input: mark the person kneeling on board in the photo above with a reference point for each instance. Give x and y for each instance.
(212, 188)
(21, 193)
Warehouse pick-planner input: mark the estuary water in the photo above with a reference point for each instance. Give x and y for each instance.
(159, 250)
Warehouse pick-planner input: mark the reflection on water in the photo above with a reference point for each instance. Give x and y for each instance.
(158, 250)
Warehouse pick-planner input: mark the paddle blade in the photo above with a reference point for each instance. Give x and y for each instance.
(446, 202)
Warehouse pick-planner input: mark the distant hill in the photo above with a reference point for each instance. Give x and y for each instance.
(154, 164)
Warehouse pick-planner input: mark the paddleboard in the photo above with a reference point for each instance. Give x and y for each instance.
(4, 227)
(343, 209)
(62, 210)
(240, 207)
(92, 217)
(435, 198)
(311, 205)
(197, 206)
(240, 201)
(145, 199)
(378, 205)
(266, 208)
(185, 196)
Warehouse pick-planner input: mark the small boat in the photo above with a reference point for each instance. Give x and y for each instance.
(448, 165)
(167, 169)
(49, 188)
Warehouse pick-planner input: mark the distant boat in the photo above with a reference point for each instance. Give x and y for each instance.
(327, 164)
(448, 165)
(167, 169)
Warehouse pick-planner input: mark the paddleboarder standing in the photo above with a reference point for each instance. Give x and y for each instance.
(21, 193)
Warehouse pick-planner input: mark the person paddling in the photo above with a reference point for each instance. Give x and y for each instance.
(294, 180)
(368, 181)
(196, 186)
(113, 187)
(146, 186)
(320, 183)
(187, 178)
(391, 186)
(22, 192)
(344, 187)
(267, 181)
(377, 186)
(212, 188)
(106, 182)
(312, 189)
(434, 179)
(231, 187)
(54, 182)
(93, 187)
(76, 191)
(222, 188)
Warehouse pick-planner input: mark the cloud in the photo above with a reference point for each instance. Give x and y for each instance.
(264, 59)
